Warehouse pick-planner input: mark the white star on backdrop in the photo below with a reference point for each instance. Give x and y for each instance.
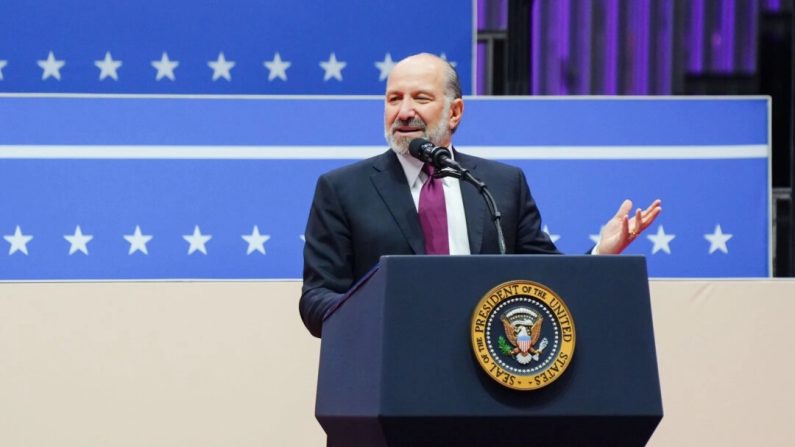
(717, 240)
(2, 65)
(444, 58)
(197, 240)
(256, 241)
(18, 241)
(661, 240)
(277, 68)
(302, 237)
(385, 67)
(333, 68)
(78, 241)
(138, 241)
(107, 67)
(51, 67)
(165, 67)
(595, 238)
(221, 67)
(553, 237)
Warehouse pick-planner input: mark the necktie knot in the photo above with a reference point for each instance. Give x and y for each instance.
(428, 169)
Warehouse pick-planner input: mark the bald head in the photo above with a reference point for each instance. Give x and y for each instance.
(449, 76)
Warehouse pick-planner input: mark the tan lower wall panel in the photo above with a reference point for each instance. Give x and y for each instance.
(725, 354)
(208, 364)
(156, 364)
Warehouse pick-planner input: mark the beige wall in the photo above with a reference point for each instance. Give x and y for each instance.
(725, 353)
(208, 364)
(156, 364)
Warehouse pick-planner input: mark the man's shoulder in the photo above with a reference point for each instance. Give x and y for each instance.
(471, 161)
(358, 168)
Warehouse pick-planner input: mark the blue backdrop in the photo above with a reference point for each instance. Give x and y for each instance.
(242, 171)
(118, 46)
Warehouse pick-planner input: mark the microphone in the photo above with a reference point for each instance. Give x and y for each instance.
(427, 152)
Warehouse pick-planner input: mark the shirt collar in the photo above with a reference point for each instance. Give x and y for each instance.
(411, 166)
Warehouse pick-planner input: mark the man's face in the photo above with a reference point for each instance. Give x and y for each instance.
(415, 105)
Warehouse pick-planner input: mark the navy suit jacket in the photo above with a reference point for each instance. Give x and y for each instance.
(365, 210)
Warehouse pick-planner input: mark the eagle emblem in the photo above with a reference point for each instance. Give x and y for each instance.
(522, 335)
(523, 330)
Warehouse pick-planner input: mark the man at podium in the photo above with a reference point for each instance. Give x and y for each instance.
(394, 204)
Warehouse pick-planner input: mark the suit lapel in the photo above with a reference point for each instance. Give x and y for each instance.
(390, 182)
(474, 208)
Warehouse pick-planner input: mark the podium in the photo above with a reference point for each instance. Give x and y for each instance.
(397, 366)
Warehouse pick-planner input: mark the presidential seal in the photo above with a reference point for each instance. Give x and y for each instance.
(523, 335)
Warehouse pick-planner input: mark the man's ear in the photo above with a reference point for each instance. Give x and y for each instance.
(456, 113)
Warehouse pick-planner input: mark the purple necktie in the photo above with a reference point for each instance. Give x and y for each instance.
(433, 214)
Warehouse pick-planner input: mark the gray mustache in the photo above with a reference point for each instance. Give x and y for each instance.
(414, 122)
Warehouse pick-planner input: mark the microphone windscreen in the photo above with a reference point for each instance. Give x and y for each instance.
(421, 149)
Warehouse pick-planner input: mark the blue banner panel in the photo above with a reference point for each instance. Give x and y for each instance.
(359, 121)
(224, 47)
(101, 187)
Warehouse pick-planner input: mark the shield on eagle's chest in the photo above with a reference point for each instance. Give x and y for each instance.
(523, 340)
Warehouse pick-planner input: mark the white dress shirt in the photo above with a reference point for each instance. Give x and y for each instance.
(454, 203)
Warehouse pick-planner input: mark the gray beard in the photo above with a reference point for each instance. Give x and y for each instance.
(401, 144)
